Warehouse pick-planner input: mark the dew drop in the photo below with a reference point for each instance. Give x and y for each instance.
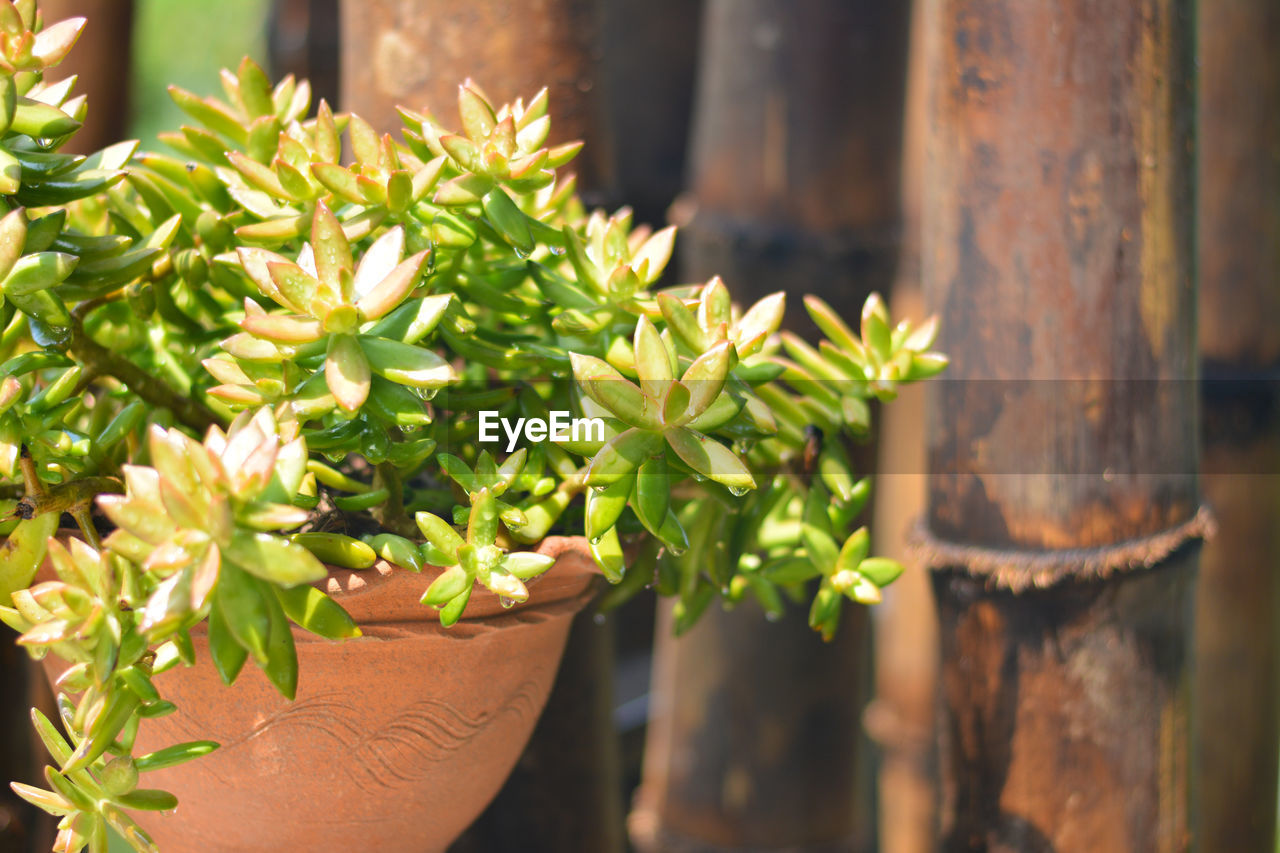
(557, 250)
(507, 603)
(738, 491)
(521, 253)
(676, 551)
(599, 619)
(772, 616)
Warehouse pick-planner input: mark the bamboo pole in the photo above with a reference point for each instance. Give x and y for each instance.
(1063, 505)
(794, 158)
(902, 714)
(754, 737)
(101, 61)
(302, 40)
(753, 741)
(649, 62)
(416, 52)
(1238, 601)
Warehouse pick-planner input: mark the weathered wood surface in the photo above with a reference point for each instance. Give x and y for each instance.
(416, 52)
(1067, 716)
(1237, 661)
(754, 740)
(795, 153)
(1058, 246)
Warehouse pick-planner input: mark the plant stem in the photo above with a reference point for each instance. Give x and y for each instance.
(35, 489)
(67, 497)
(84, 520)
(391, 515)
(101, 361)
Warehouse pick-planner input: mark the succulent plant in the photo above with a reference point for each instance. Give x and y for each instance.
(246, 358)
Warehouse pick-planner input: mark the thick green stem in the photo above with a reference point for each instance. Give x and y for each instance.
(99, 360)
(84, 520)
(73, 497)
(67, 497)
(35, 488)
(391, 514)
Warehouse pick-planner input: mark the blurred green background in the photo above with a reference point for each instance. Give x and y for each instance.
(185, 42)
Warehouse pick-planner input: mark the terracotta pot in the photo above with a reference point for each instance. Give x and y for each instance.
(396, 741)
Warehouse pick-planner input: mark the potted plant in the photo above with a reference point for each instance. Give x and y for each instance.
(378, 422)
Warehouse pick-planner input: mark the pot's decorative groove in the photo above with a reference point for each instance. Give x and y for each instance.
(404, 751)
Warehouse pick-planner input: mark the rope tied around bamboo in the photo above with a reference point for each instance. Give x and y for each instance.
(1017, 570)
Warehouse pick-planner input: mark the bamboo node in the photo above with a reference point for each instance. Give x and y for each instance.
(1017, 570)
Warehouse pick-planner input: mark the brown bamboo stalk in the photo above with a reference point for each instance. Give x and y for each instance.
(16, 762)
(565, 793)
(902, 715)
(302, 40)
(649, 62)
(1238, 600)
(901, 718)
(416, 52)
(1063, 505)
(101, 60)
(794, 163)
(755, 739)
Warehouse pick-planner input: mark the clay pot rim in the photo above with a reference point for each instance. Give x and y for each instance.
(365, 591)
(388, 595)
